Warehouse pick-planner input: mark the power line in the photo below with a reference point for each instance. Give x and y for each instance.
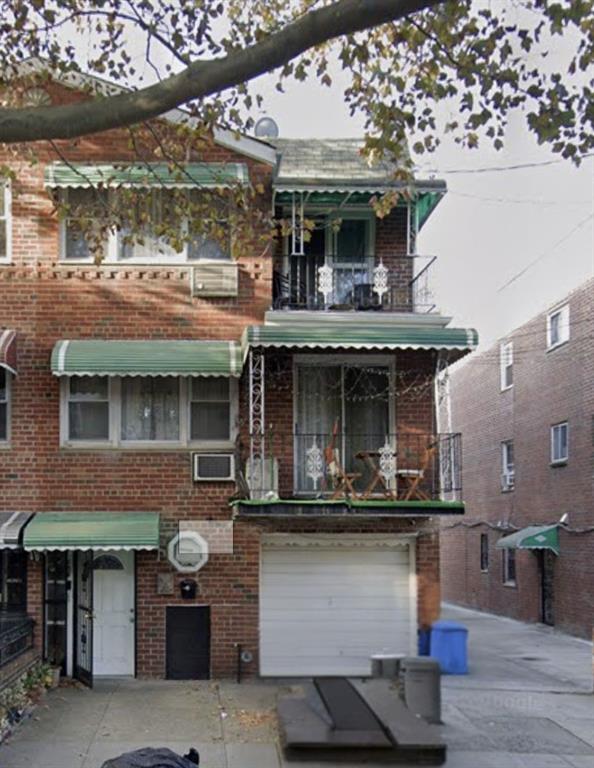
(519, 201)
(502, 168)
(546, 252)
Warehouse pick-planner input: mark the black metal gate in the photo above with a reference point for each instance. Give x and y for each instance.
(83, 618)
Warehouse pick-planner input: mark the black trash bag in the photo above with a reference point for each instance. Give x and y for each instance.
(153, 757)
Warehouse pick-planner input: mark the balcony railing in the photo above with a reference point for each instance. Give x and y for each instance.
(405, 466)
(16, 636)
(398, 284)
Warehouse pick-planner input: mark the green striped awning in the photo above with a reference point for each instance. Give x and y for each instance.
(364, 335)
(205, 175)
(92, 357)
(532, 537)
(92, 530)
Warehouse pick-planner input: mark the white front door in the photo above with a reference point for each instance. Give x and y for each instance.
(113, 609)
(326, 609)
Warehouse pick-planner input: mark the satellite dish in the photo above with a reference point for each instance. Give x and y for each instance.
(266, 128)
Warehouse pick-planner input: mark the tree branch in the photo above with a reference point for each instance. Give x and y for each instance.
(205, 77)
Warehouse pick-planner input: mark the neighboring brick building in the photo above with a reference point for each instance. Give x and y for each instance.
(287, 393)
(525, 409)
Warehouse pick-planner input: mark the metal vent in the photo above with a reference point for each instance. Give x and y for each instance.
(214, 280)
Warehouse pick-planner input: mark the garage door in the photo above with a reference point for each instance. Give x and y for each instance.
(325, 610)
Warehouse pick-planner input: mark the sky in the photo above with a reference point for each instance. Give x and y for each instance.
(490, 226)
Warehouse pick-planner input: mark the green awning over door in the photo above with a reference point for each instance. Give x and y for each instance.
(532, 537)
(92, 530)
(189, 175)
(91, 357)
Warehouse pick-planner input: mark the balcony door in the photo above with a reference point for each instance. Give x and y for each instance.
(345, 408)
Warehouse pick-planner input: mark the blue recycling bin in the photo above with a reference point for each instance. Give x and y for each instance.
(449, 647)
(424, 642)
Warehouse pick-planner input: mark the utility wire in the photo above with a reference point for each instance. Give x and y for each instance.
(502, 168)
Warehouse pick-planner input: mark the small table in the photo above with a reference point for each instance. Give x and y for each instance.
(370, 459)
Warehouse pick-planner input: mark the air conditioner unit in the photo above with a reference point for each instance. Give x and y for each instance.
(262, 477)
(507, 480)
(215, 279)
(213, 466)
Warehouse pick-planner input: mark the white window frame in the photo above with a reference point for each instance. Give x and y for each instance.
(559, 460)
(506, 362)
(5, 442)
(507, 581)
(507, 468)
(6, 188)
(233, 413)
(564, 328)
(115, 422)
(112, 249)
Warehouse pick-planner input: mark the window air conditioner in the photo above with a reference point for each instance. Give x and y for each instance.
(215, 279)
(507, 480)
(213, 466)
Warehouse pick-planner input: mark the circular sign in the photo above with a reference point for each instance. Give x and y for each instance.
(188, 552)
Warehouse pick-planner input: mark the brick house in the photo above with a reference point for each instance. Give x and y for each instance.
(158, 402)
(525, 408)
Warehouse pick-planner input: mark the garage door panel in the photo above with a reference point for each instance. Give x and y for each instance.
(327, 610)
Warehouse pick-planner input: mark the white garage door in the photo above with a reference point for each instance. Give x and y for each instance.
(324, 610)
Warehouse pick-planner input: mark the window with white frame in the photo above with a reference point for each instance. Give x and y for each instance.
(560, 443)
(210, 409)
(5, 221)
(506, 365)
(558, 327)
(81, 240)
(507, 466)
(509, 567)
(88, 408)
(131, 411)
(4, 405)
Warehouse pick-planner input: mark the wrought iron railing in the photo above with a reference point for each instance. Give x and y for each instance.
(403, 466)
(16, 636)
(396, 284)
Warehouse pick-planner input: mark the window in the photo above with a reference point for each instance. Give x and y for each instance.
(507, 466)
(210, 409)
(88, 408)
(484, 552)
(81, 231)
(558, 327)
(4, 397)
(13, 580)
(509, 567)
(167, 411)
(506, 363)
(5, 222)
(560, 443)
(86, 206)
(150, 408)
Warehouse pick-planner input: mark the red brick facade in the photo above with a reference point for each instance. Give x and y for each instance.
(549, 387)
(45, 300)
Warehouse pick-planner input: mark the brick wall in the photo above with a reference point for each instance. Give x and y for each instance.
(549, 387)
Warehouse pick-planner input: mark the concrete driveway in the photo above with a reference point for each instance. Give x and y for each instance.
(527, 702)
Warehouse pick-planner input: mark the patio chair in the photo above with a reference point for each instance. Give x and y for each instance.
(342, 481)
(414, 476)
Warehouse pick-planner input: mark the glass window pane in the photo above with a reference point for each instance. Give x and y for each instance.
(351, 241)
(88, 421)
(89, 388)
(77, 247)
(3, 422)
(2, 199)
(210, 421)
(3, 251)
(202, 247)
(150, 408)
(210, 389)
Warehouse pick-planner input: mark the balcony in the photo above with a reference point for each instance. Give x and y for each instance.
(400, 470)
(16, 636)
(396, 284)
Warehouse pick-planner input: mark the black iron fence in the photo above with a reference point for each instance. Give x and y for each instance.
(16, 636)
(403, 466)
(400, 284)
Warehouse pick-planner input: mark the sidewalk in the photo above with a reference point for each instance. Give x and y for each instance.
(525, 704)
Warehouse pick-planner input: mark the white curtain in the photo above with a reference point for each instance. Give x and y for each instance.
(150, 408)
